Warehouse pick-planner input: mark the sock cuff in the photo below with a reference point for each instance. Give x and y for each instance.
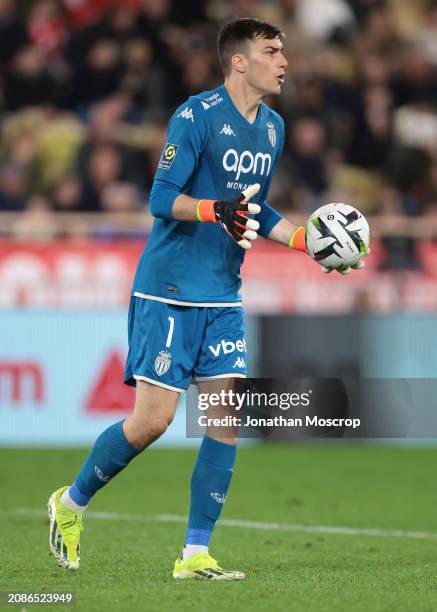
(77, 496)
(198, 537)
(218, 453)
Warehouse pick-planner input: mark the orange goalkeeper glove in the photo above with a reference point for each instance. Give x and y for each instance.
(232, 216)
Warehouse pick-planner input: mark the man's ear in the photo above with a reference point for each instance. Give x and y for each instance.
(239, 62)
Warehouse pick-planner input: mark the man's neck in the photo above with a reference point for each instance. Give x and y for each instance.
(245, 99)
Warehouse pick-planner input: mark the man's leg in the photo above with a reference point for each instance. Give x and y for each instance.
(112, 452)
(210, 482)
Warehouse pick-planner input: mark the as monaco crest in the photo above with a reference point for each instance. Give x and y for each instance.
(271, 130)
(162, 362)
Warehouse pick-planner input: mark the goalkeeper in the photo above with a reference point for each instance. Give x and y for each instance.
(209, 200)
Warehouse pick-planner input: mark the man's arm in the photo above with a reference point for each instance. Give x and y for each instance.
(282, 232)
(288, 234)
(184, 208)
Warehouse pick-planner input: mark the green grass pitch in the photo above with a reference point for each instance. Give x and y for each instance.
(126, 564)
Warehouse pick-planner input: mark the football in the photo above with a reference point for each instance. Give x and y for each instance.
(337, 235)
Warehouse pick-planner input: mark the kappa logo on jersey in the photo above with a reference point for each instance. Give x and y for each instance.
(187, 113)
(260, 163)
(162, 362)
(271, 131)
(220, 498)
(226, 129)
(168, 156)
(239, 363)
(227, 346)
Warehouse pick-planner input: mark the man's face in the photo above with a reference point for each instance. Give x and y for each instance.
(265, 65)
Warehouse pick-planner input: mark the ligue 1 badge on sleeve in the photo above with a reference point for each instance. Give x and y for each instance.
(162, 362)
(168, 156)
(271, 130)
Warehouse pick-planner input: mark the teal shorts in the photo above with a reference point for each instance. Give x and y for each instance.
(172, 346)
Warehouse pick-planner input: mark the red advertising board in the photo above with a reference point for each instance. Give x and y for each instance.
(96, 274)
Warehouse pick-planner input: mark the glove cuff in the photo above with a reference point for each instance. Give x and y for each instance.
(297, 241)
(205, 211)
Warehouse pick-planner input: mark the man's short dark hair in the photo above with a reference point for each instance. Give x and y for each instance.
(234, 36)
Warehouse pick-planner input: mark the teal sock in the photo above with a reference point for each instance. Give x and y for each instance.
(111, 453)
(209, 485)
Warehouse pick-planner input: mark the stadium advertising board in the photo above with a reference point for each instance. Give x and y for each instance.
(61, 377)
(98, 274)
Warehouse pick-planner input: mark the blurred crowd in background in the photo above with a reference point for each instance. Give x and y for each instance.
(87, 87)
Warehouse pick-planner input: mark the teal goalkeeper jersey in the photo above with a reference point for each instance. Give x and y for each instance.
(212, 152)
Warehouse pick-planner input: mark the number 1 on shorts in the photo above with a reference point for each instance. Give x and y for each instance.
(170, 332)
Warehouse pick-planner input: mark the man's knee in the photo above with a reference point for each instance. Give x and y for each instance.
(143, 432)
(154, 411)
